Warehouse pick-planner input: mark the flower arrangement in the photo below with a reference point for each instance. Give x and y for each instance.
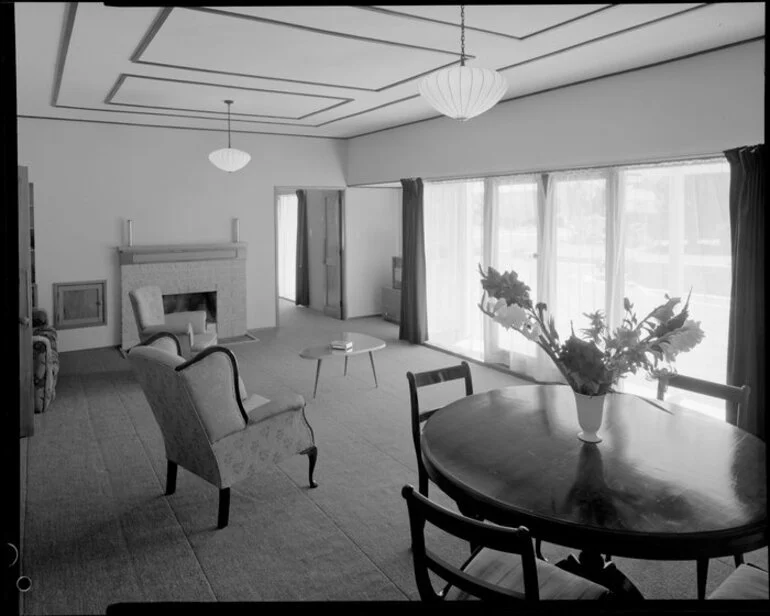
(594, 363)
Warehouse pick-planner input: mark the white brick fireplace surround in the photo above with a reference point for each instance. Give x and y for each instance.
(187, 268)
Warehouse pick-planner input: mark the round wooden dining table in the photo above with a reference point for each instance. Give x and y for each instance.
(665, 483)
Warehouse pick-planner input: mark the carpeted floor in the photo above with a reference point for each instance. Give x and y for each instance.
(99, 530)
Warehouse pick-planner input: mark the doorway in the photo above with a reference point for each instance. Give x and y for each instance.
(324, 246)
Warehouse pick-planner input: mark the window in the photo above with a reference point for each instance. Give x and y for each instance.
(662, 228)
(454, 221)
(678, 238)
(287, 245)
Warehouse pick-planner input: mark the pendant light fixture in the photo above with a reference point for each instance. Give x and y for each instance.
(229, 159)
(461, 92)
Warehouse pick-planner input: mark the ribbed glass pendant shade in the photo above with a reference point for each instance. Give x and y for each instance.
(463, 92)
(229, 159)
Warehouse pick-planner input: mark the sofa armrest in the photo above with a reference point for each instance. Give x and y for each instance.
(196, 317)
(260, 412)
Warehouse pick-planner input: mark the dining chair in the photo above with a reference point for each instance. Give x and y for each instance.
(502, 569)
(433, 377)
(730, 393)
(423, 379)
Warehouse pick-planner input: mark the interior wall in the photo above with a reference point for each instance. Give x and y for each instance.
(372, 239)
(701, 105)
(89, 178)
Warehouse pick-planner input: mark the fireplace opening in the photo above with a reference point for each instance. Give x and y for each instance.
(181, 302)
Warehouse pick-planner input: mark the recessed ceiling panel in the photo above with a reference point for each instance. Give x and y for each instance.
(518, 20)
(332, 71)
(174, 94)
(232, 44)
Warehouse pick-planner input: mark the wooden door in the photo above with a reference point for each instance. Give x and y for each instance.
(26, 399)
(332, 256)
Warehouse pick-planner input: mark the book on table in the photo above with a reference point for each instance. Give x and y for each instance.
(341, 345)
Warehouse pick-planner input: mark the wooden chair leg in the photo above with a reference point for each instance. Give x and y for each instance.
(703, 571)
(538, 550)
(224, 507)
(171, 468)
(738, 560)
(312, 456)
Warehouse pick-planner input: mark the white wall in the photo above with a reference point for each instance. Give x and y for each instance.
(372, 239)
(89, 178)
(701, 105)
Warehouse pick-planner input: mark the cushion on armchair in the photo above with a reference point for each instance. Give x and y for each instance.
(45, 366)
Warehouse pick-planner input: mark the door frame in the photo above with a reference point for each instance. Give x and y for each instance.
(283, 190)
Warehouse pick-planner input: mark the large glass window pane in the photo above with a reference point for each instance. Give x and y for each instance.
(678, 238)
(454, 226)
(580, 214)
(514, 247)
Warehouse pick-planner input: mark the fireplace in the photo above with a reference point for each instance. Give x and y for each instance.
(182, 302)
(215, 271)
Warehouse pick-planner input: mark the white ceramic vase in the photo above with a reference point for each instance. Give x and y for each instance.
(590, 410)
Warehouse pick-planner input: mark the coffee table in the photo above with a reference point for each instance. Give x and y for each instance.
(361, 344)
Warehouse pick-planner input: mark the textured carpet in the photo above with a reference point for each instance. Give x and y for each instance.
(99, 530)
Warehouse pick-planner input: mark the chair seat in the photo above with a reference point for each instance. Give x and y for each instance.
(505, 570)
(746, 582)
(203, 341)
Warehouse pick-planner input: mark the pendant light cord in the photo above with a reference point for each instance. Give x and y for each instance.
(462, 35)
(228, 124)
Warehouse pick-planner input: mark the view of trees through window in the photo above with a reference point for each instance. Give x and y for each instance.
(671, 236)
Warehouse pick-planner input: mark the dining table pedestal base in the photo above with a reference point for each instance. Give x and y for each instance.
(593, 566)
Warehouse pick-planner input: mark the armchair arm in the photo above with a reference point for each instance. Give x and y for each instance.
(196, 317)
(182, 329)
(292, 402)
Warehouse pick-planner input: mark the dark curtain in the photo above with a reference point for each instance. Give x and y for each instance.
(414, 313)
(302, 279)
(746, 337)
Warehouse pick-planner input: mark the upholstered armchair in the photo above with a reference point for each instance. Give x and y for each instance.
(45, 360)
(210, 425)
(189, 326)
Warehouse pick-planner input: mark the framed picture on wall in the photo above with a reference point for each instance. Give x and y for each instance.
(79, 304)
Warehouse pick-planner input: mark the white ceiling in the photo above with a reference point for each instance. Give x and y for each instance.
(332, 71)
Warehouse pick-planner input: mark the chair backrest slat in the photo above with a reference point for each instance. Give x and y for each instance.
(503, 539)
(730, 393)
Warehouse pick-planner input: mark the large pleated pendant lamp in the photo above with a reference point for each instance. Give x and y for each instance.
(461, 92)
(229, 159)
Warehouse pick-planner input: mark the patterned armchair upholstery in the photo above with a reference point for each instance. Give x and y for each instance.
(189, 326)
(210, 425)
(45, 361)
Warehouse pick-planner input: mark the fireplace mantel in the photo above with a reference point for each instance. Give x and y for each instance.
(165, 253)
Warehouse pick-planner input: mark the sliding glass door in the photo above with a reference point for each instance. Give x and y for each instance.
(286, 212)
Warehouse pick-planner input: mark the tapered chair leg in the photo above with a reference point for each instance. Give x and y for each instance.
(171, 468)
(224, 507)
(738, 560)
(703, 571)
(312, 456)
